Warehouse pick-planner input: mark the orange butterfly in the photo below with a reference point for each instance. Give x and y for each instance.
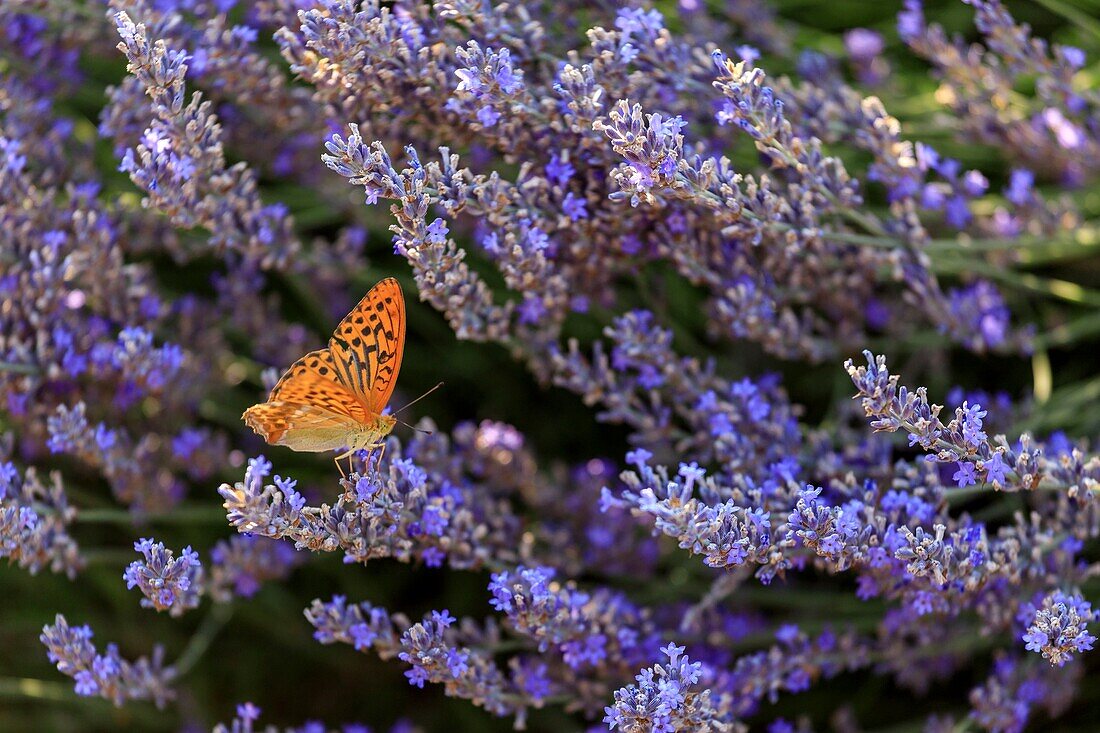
(333, 398)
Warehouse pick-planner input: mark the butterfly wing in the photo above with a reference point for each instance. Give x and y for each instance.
(330, 394)
(300, 427)
(306, 411)
(317, 364)
(368, 345)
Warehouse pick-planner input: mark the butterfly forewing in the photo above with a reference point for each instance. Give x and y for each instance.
(368, 345)
(309, 388)
(317, 365)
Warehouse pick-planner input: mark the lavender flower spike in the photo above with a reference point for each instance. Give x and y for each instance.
(666, 698)
(1059, 629)
(169, 583)
(106, 675)
(34, 521)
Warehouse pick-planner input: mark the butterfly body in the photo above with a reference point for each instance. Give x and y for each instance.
(334, 397)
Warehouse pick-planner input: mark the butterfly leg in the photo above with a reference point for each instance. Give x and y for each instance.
(341, 468)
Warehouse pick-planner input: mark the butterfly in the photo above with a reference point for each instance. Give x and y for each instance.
(334, 397)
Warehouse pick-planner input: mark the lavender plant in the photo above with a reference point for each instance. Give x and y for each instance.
(644, 245)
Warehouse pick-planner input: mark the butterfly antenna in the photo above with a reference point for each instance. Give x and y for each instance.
(413, 427)
(433, 389)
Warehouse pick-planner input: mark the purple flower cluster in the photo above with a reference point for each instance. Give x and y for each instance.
(34, 522)
(665, 698)
(725, 532)
(458, 657)
(639, 211)
(587, 629)
(427, 511)
(1016, 689)
(1022, 465)
(106, 675)
(242, 563)
(487, 82)
(582, 644)
(169, 583)
(248, 714)
(1046, 131)
(1059, 628)
(179, 163)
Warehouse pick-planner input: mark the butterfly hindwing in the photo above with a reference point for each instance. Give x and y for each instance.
(299, 426)
(368, 345)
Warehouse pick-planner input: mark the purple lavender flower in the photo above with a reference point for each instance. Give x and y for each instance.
(433, 649)
(637, 218)
(361, 625)
(106, 675)
(911, 19)
(864, 48)
(382, 514)
(1059, 628)
(169, 583)
(963, 441)
(983, 308)
(34, 522)
(488, 82)
(996, 469)
(1046, 132)
(573, 207)
(247, 714)
(587, 629)
(166, 163)
(666, 698)
(240, 565)
(726, 534)
(652, 146)
(965, 475)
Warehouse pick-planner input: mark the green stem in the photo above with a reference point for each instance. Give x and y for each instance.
(180, 515)
(1078, 17)
(33, 689)
(218, 617)
(1069, 333)
(1030, 250)
(39, 692)
(8, 366)
(1048, 286)
(1061, 408)
(108, 556)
